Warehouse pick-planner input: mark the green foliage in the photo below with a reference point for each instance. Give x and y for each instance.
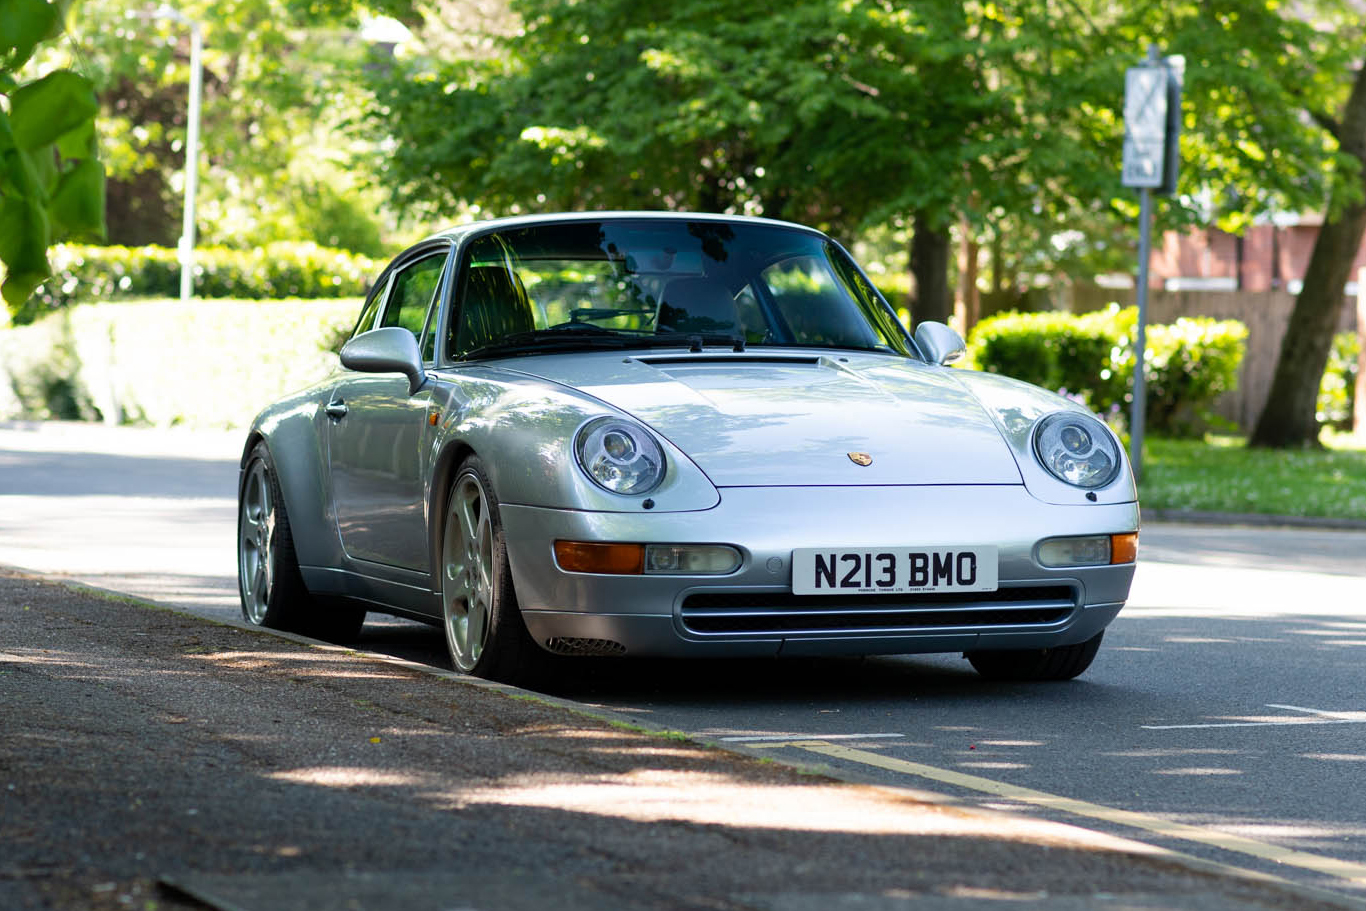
(1091, 358)
(114, 361)
(1007, 116)
(1189, 364)
(1222, 474)
(51, 180)
(276, 271)
(280, 76)
(1337, 390)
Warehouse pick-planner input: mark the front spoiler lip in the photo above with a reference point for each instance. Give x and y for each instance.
(657, 635)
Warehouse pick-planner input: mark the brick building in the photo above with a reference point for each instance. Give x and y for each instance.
(1271, 256)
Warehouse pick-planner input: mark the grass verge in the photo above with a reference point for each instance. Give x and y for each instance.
(1221, 474)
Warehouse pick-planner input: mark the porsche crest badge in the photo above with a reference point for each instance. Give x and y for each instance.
(861, 458)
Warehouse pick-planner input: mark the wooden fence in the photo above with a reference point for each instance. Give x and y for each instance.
(1265, 313)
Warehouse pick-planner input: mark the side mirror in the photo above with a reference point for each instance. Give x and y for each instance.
(389, 350)
(939, 343)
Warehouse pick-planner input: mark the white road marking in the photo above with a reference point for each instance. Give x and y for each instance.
(1318, 716)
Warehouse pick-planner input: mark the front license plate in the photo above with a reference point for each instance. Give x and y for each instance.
(893, 570)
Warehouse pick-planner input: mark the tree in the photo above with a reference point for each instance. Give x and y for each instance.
(51, 179)
(280, 76)
(999, 116)
(1288, 418)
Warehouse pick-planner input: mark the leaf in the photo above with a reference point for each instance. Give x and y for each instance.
(77, 206)
(80, 142)
(26, 23)
(24, 236)
(43, 111)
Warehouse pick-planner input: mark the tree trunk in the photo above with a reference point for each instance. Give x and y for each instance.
(1359, 398)
(1288, 419)
(930, 252)
(968, 307)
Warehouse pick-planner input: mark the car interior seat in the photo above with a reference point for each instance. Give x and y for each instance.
(493, 305)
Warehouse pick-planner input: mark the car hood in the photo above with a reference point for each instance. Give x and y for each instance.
(757, 419)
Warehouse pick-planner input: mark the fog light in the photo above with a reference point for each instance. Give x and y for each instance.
(1092, 550)
(691, 559)
(1089, 550)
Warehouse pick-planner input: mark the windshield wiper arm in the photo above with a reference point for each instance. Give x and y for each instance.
(565, 338)
(575, 336)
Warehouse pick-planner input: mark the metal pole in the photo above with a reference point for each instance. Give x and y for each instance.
(187, 238)
(1139, 406)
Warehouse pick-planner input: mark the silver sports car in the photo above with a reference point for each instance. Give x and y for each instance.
(678, 435)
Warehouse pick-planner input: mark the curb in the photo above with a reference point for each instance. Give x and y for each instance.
(1256, 520)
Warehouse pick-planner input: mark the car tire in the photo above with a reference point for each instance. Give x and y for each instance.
(272, 590)
(485, 633)
(1061, 663)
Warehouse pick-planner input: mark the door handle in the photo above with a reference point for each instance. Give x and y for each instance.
(336, 410)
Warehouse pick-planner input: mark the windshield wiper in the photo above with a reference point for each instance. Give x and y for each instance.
(566, 338)
(578, 336)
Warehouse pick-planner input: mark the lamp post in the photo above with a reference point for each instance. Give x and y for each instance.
(186, 246)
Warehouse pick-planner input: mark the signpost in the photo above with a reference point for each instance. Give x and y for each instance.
(1152, 124)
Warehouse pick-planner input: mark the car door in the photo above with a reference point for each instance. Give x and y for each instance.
(378, 431)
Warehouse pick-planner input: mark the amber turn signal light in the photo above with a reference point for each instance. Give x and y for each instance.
(609, 559)
(1124, 548)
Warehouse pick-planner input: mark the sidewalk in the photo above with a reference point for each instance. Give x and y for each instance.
(153, 759)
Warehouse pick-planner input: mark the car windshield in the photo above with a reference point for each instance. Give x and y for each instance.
(650, 283)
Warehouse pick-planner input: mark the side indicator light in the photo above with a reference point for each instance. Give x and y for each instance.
(1124, 548)
(607, 559)
(433, 418)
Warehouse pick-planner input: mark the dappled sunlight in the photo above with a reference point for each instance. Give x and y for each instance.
(301, 666)
(350, 777)
(710, 799)
(1170, 753)
(1241, 592)
(47, 657)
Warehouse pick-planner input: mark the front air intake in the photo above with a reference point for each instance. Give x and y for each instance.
(585, 648)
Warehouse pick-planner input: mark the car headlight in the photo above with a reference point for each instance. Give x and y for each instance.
(1076, 449)
(619, 456)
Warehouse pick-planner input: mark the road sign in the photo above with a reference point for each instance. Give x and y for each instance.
(1145, 126)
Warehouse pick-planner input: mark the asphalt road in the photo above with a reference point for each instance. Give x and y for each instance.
(1224, 718)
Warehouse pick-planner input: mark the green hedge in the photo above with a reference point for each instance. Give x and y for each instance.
(212, 364)
(279, 270)
(1091, 357)
(1337, 391)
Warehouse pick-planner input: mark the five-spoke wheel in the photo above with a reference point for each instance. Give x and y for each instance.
(268, 579)
(484, 628)
(255, 540)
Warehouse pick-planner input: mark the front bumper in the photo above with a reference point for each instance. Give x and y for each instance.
(753, 612)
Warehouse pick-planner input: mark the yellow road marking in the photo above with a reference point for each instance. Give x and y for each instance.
(1340, 869)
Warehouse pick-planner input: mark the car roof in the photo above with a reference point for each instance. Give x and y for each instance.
(458, 232)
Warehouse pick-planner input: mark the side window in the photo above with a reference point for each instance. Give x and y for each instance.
(368, 312)
(410, 296)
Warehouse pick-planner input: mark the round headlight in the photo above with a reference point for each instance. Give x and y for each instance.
(1076, 449)
(619, 456)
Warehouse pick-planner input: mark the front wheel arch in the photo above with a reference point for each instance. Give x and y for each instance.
(444, 469)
